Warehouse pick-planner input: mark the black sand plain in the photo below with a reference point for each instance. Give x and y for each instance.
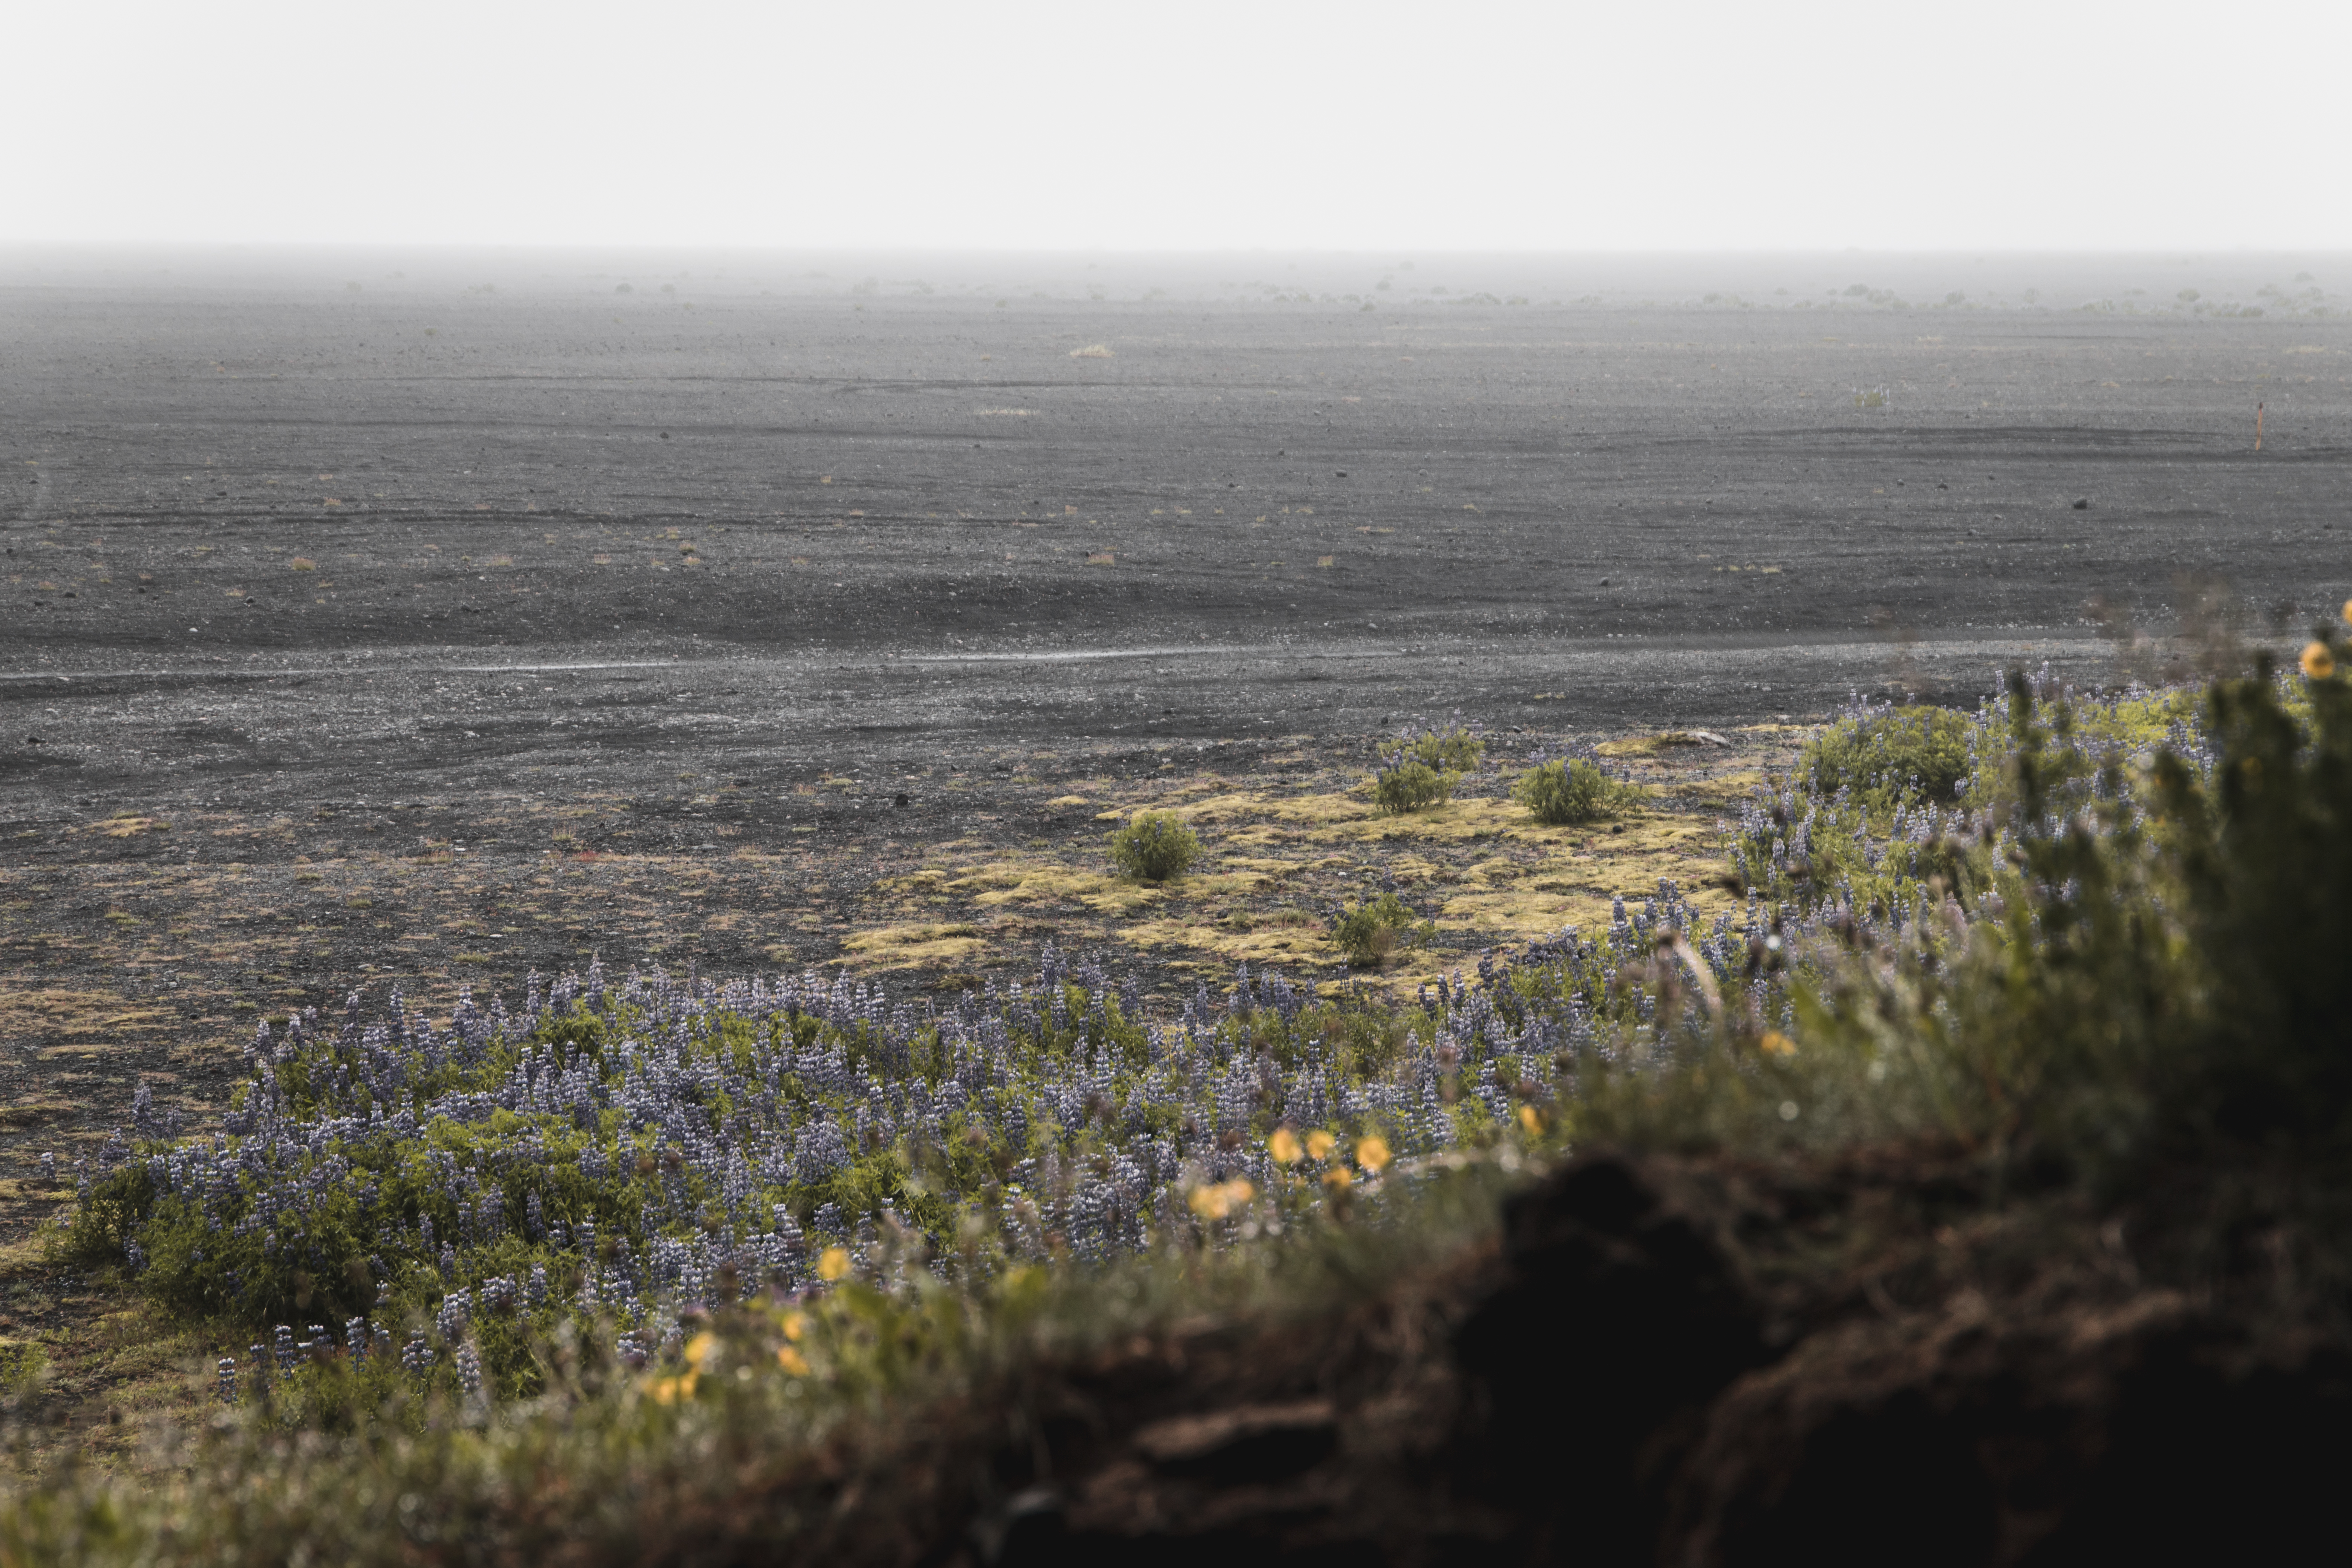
(432, 618)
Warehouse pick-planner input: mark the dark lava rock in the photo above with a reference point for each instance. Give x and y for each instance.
(1619, 1321)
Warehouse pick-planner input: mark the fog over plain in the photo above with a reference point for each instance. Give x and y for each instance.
(1220, 125)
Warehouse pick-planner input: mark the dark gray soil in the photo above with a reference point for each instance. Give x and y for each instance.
(846, 529)
(289, 565)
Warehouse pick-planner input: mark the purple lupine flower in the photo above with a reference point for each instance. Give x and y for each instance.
(469, 1368)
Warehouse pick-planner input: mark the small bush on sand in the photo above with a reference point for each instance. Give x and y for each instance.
(1408, 783)
(1155, 846)
(1568, 790)
(1451, 750)
(22, 1367)
(1378, 929)
(1888, 754)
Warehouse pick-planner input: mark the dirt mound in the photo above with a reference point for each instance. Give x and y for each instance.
(1699, 1364)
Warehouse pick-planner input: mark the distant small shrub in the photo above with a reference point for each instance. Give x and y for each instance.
(1408, 783)
(22, 1365)
(1155, 845)
(1378, 929)
(1886, 754)
(1455, 749)
(1569, 790)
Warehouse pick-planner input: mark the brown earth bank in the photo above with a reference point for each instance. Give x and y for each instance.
(1674, 1360)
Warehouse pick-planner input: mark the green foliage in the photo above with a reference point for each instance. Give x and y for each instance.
(2141, 960)
(1379, 930)
(1888, 754)
(1451, 750)
(1154, 845)
(1423, 771)
(714, 1448)
(1569, 789)
(24, 1365)
(1410, 784)
(2262, 855)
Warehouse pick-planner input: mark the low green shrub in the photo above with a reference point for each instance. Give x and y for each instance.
(1569, 790)
(1885, 755)
(1451, 750)
(23, 1366)
(1154, 845)
(1408, 783)
(2141, 967)
(1379, 930)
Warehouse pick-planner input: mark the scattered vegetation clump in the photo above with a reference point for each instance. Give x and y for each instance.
(1455, 749)
(1565, 791)
(1424, 770)
(1154, 845)
(23, 1366)
(1379, 930)
(1408, 783)
(2111, 956)
(1885, 754)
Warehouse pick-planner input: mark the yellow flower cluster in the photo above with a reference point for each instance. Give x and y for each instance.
(1218, 1200)
(701, 1351)
(1288, 1149)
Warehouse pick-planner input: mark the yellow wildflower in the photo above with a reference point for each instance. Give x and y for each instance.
(2318, 662)
(791, 1361)
(670, 1390)
(795, 1325)
(1531, 1119)
(1776, 1044)
(1372, 1153)
(1338, 1178)
(832, 1264)
(701, 1347)
(1220, 1199)
(1283, 1146)
(1320, 1144)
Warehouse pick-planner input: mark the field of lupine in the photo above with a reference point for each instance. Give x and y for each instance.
(619, 1153)
(2077, 920)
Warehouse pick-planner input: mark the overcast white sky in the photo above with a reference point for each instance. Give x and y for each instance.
(1444, 124)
